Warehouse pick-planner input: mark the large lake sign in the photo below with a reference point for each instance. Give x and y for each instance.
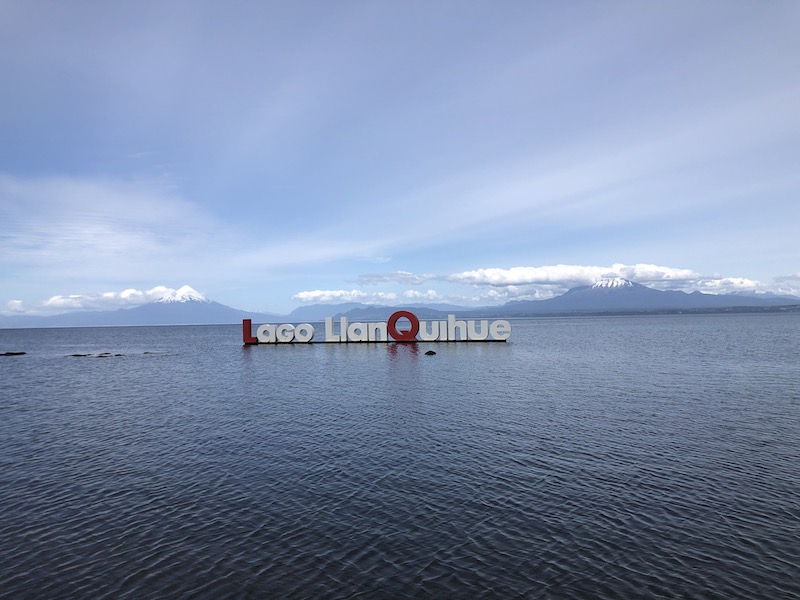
(446, 330)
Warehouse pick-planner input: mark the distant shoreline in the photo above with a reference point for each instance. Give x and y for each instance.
(784, 309)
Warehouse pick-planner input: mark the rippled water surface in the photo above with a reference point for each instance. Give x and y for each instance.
(586, 458)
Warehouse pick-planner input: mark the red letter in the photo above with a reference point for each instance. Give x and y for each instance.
(403, 336)
(247, 332)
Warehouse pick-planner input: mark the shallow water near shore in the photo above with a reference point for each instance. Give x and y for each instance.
(597, 457)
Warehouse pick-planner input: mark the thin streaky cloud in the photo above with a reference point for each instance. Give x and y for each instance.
(254, 150)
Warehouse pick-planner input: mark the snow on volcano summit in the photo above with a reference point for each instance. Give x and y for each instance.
(614, 282)
(182, 294)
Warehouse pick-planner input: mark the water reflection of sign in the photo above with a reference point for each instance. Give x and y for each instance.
(402, 326)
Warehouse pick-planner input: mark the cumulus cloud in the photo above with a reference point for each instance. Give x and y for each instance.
(781, 286)
(571, 275)
(427, 295)
(499, 295)
(728, 284)
(15, 306)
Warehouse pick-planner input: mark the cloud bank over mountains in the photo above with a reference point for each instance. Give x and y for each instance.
(572, 275)
(105, 301)
(497, 285)
(475, 287)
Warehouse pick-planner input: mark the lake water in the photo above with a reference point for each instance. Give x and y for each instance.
(627, 457)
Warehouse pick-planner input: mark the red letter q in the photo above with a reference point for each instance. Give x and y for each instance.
(403, 336)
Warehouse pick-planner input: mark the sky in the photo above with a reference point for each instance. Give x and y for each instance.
(276, 154)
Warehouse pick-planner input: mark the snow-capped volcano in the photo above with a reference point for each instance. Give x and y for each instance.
(613, 282)
(182, 294)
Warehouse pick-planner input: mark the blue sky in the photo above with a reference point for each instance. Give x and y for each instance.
(276, 154)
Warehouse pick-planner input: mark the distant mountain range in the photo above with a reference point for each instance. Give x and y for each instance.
(620, 295)
(188, 307)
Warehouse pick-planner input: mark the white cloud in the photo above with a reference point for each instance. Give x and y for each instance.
(15, 306)
(499, 295)
(337, 296)
(728, 284)
(427, 295)
(571, 275)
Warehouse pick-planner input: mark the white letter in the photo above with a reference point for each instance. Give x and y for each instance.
(357, 332)
(304, 332)
(285, 333)
(423, 331)
(474, 335)
(453, 326)
(329, 335)
(500, 330)
(377, 328)
(266, 334)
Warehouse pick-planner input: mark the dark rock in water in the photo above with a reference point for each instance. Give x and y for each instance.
(12, 353)
(430, 353)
